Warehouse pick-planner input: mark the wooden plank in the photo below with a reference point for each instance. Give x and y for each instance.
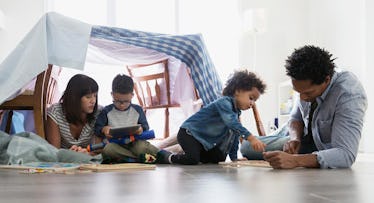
(117, 167)
(44, 167)
(254, 163)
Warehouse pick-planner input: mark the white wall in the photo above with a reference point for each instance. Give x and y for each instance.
(345, 28)
(220, 29)
(339, 26)
(20, 17)
(285, 30)
(368, 138)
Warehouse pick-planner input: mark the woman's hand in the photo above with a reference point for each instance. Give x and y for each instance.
(256, 144)
(74, 148)
(79, 149)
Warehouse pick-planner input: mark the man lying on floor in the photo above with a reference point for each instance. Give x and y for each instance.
(326, 122)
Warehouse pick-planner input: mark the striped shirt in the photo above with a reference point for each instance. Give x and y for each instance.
(67, 140)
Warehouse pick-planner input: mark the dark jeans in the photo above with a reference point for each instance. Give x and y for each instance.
(194, 151)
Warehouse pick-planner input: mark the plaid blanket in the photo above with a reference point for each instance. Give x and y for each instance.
(190, 49)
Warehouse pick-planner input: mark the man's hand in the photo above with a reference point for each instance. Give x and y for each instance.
(280, 160)
(292, 146)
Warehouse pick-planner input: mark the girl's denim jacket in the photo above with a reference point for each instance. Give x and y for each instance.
(218, 125)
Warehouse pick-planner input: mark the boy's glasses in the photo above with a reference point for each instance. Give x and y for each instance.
(119, 102)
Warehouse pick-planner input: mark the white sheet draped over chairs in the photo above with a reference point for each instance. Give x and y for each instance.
(36, 100)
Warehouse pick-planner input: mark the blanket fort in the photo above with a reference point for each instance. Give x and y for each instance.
(67, 42)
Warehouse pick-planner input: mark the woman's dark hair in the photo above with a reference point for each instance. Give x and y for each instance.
(243, 80)
(310, 63)
(78, 86)
(122, 84)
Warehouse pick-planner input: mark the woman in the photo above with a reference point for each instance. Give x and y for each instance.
(70, 122)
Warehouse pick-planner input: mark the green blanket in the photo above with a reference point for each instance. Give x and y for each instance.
(27, 147)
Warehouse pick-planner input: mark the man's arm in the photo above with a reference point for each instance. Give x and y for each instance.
(283, 160)
(296, 130)
(290, 157)
(344, 135)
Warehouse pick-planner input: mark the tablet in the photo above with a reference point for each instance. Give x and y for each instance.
(124, 131)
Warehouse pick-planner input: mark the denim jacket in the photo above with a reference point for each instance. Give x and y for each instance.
(211, 125)
(230, 146)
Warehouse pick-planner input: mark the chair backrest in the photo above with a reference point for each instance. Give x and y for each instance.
(50, 86)
(152, 84)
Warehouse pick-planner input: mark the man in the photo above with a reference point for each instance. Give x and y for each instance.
(326, 121)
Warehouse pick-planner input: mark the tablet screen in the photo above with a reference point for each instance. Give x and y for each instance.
(124, 131)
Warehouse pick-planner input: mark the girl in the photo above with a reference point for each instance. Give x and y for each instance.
(211, 133)
(70, 123)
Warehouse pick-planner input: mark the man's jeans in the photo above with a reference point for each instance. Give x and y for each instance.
(274, 141)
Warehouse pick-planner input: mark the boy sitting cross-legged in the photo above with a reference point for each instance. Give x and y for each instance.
(122, 113)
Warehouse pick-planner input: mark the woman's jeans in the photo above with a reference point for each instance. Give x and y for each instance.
(273, 142)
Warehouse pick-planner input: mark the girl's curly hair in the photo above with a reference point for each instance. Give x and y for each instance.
(310, 63)
(243, 80)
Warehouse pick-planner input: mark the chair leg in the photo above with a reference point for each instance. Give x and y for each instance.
(39, 124)
(166, 130)
(9, 121)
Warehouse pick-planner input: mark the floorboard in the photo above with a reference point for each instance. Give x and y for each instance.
(202, 183)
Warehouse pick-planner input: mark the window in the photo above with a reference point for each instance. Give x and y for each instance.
(145, 15)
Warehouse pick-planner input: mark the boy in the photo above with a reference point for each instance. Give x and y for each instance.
(122, 113)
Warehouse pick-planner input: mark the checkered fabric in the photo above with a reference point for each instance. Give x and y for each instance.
(190, 49)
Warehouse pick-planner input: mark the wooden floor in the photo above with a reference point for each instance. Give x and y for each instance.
(202, 183)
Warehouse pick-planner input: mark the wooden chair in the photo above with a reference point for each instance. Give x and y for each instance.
(49, 91)
(259, 125)
(37, 101)
(152, 98)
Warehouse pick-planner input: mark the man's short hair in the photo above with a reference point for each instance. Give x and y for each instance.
(310, 63)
